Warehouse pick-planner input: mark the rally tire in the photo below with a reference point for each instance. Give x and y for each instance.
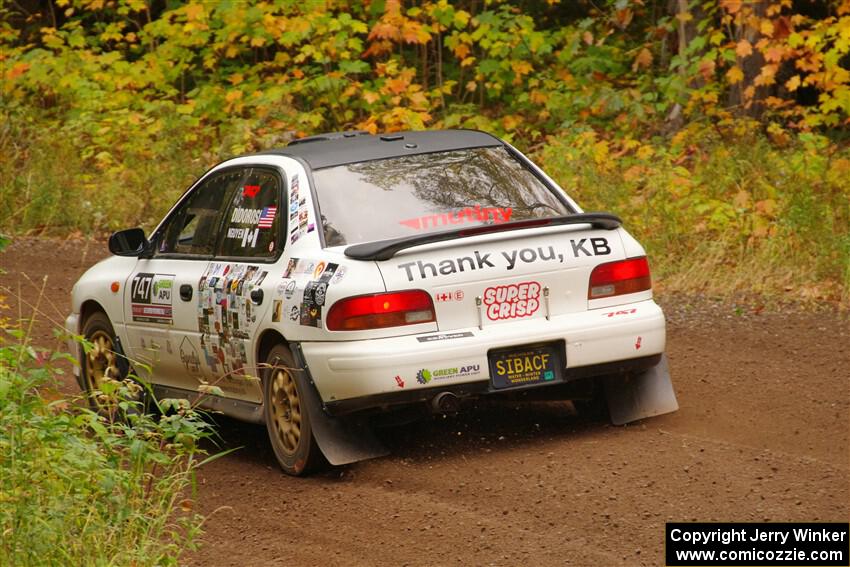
(287, 414)
(102, 361)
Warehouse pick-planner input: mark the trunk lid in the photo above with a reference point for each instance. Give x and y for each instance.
(495, 279)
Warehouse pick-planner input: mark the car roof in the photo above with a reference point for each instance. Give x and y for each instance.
(340, 148)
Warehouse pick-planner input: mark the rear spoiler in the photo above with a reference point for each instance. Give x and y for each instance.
(386, 249)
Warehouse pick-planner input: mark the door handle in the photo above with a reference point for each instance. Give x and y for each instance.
(257, 296)
(186, 292)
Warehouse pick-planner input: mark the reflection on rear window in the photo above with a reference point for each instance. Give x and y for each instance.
(391, 198)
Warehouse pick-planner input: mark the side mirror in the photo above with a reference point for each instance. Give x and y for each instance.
(130, 242)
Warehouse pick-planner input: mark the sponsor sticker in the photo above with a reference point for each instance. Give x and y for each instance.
(512, 301)
(477, 214)
(151, 298)
(444, 337)
(445, 296)
(425, 375)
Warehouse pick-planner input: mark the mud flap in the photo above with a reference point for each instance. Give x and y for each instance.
(342, 439)
(639, 395)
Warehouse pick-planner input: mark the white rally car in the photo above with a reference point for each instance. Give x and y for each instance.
(348, 274)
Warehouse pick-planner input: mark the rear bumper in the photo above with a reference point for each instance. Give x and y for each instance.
(368, 373)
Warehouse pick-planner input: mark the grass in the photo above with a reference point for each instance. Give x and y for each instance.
(80, 487)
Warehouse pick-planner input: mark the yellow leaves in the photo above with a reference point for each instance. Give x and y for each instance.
(793, 83)
(233, 96)
(743, 48)
(600, 151)
(767, 76)
(645, 152)
(521, 68)
(684, 17)
(371, 97)
(734, 75)
(461, 50)
(414, 32)
(235, 78)
(766, 28)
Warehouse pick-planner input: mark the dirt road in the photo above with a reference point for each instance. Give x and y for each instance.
(762, 435)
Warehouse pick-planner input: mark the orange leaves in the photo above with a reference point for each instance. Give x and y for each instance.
(793, 83)
(734, 75)
(706, 68)
(643, 60)
(743, 48)
(731, 6)
(395, 27)
(194, 11)
(17, 70)
(520, 68)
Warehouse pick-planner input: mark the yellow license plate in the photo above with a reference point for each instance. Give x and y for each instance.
(525, 366)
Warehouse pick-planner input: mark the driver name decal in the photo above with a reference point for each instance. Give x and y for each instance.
(150, 298)
(512, 301)
(578, 248)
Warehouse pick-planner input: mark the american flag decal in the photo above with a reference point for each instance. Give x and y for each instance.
(267, 217)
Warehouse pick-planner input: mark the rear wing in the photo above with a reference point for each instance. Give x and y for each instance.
(386, 249)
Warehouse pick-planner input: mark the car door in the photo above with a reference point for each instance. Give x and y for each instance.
(235, 292)
(161, 296)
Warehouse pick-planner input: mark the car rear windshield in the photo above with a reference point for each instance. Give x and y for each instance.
(416, 194)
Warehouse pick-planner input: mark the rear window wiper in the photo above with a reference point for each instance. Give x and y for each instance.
(386, 249)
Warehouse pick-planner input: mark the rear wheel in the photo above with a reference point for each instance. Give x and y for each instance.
(287, 415)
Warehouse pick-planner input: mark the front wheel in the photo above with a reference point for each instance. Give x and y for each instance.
(100, 364)
(287, 415)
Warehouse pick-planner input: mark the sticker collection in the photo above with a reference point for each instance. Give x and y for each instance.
(307, 311)
(225, 315)
(299, 215)
(253, 220)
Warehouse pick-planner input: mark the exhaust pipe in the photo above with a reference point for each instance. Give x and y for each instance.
(445, 402)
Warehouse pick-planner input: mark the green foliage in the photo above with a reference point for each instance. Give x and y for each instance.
(79, 488)
(110, 108)
(719, 215)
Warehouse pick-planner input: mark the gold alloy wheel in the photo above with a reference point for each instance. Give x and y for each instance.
(286, 409)
(102, 362)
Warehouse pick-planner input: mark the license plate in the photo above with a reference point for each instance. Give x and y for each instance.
(525, 366)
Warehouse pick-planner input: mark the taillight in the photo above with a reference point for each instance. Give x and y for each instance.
(618, 278)
(381, 310)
